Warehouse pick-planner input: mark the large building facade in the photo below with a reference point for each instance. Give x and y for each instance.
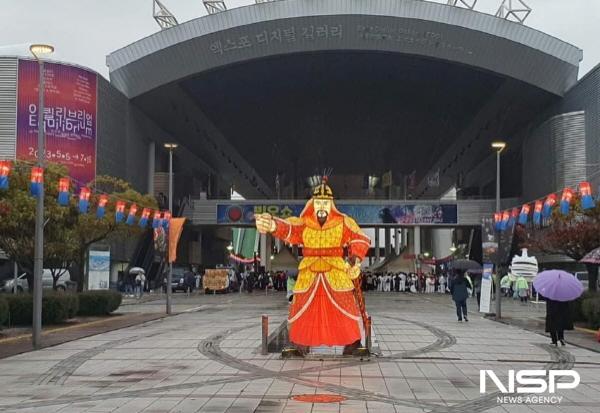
(264, 97)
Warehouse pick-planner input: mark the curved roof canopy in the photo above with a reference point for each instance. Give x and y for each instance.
(418, 28)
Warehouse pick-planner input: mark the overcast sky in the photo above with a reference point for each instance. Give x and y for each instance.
(85, 31)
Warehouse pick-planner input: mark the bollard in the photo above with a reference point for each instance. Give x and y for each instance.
(368, 333)
(265, 335)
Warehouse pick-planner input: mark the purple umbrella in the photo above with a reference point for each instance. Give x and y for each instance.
(558, 285)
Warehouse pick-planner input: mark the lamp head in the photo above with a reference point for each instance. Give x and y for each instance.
(40, 49)
(498, 145)
(170, 146)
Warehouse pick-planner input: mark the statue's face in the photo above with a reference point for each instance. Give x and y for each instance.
(322, 209)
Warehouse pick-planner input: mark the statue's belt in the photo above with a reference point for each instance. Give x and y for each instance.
(323, 252)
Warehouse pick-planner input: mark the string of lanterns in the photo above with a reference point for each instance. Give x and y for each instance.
(159, 219)
(542, 208)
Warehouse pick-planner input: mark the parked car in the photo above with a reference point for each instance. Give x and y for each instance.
(6, 285)
(178, 279)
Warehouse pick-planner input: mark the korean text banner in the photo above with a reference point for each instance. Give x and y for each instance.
(433, 214)
(69, 117)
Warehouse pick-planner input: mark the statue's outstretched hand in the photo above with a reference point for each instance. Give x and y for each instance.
(265, 223)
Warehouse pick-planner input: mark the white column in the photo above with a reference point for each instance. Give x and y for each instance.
(441, 241)
(399, 240)
(417, 240)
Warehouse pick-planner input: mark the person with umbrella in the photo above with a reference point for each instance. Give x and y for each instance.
(558, 288)
(459, 292)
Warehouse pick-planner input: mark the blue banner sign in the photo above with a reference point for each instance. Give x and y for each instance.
(417, 214)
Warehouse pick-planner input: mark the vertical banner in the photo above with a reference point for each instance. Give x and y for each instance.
(70, 109)
(99, 270)
(486, 288)
(175, 229)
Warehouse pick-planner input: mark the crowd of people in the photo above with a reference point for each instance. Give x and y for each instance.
(403, 282)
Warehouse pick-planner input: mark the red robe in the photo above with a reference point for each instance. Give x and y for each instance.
(324, 310)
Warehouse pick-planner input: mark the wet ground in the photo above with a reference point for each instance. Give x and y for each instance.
(208, 359)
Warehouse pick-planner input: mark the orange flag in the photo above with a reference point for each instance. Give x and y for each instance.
(175, 229)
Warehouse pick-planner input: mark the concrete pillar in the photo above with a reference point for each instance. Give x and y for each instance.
(398, 240)
(441, 241)
(265, 251)
(376, 245)
(417, 240)
(388, 242)
(151, 167)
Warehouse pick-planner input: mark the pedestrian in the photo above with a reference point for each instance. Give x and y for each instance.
(558, 319)
(442, 282)
(477, 288)
(522, 288)
(402, 282)
(140, 280)
(459, 292)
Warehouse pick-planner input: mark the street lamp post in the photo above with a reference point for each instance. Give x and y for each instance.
(170, 147)
(498, 147)
(37, 50)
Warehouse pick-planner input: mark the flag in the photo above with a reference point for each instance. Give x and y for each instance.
(175, 229)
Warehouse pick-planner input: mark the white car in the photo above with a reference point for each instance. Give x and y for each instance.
(6, 285)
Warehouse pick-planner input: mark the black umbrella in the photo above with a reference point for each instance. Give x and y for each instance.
(464, 265)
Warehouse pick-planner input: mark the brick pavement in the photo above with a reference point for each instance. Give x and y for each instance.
(208, 360)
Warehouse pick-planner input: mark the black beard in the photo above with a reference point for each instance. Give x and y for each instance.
(322, 218)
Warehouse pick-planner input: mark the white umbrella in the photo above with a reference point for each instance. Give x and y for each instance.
(137, 270)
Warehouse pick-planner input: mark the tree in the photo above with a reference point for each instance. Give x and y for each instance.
(89, 229)
(573, 235)
(68, 233)
(17, 221)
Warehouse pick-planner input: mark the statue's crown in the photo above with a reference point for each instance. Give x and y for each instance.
(323, 190)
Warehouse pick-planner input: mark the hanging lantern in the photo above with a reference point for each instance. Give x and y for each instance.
(548, 204)
(63, 191)
(497, 220)
(84, 200)
(587, 202)
(144, 219)
(514, 214)
(37, 179)
(119, 211)
(166, 219)
(524, 215)
(537, 212)
(156, 221)
(505, 219)
(565, 201)
(5, 167)
(102, 201)
(131, 215)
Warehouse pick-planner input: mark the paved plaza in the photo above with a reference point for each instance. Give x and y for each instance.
(207, 359)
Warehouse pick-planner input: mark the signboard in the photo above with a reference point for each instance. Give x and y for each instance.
(486, 288)
(69, 117)
(489, 240)
(417, 214)
(99, 270)
(215, 280)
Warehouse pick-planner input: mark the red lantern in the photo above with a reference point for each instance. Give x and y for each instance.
(497, 216)
(5, 167)
(567, 195)
(120, 211)
(538, 207)
(102, 201)
(63, 185)
(84, 194)
(131, 215)
(37, 179)
(585, 189)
